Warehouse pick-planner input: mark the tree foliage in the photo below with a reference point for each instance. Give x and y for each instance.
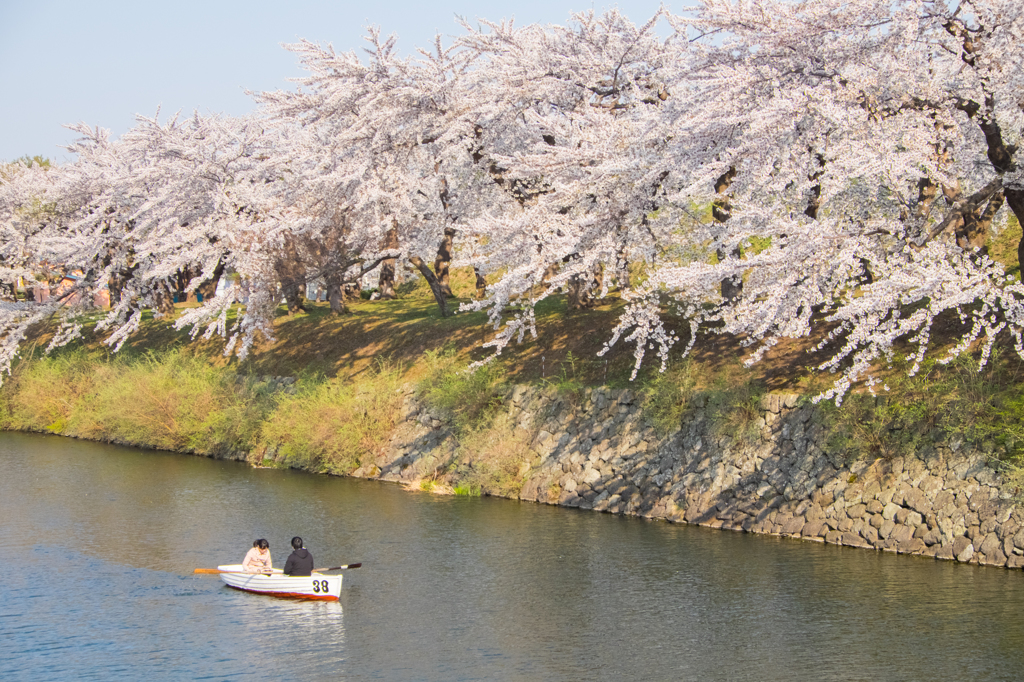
(855, 157)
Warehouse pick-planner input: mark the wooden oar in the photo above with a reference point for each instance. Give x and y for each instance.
(215, 571)
(336, 568)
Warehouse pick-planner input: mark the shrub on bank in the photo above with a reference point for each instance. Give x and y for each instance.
(176, 402)
(471, 397)
(173, 402)
(937, 403)
(731, 401)
(179, 402)
(491, 452)
(45, 394)
(335, 426)
(491, 459)
(666, 397)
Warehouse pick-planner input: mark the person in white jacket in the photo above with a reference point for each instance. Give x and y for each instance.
(257, 559)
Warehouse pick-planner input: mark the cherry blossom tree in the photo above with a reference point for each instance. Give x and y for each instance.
(842, 120)
(135, 214)
(761, 168)
(399, 143)
(819, 130)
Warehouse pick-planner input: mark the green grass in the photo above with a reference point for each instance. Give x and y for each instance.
(1002, 246)
(176, 401)
(566, 381)
(491, 452)
(491, 459)
(466, 490)
(155, 394)
(666, 397)
(173, 401)
(728, 397)
(331, 426)
(940, 403)
(470, 397)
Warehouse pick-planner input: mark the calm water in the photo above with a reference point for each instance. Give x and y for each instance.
(101, 541)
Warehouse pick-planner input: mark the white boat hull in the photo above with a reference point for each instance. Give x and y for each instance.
(277, 584)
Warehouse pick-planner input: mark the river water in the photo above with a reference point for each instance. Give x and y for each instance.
(100, 543)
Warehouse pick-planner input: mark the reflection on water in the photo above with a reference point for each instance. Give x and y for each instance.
(105, 539)
(317, 624)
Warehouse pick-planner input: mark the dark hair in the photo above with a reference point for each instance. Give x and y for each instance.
(256, 543)
(262, 544)
(296, 542)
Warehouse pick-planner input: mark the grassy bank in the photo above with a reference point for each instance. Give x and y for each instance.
(164, 392)
(177, 401)
(171, 401)
(941, 403)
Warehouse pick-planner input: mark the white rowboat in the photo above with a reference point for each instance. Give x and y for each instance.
(277, 584)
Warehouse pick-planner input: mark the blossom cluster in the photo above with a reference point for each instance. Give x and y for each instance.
(766, 166)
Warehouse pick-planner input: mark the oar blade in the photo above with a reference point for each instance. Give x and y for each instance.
(336, 568)
(208, 571)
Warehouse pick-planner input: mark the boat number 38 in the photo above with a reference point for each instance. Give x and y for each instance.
(320, 586)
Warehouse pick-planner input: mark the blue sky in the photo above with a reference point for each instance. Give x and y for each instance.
(63, 61)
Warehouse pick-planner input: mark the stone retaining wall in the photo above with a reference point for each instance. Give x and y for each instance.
(594, 450)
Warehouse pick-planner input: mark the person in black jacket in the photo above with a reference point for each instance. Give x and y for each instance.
(300, 561)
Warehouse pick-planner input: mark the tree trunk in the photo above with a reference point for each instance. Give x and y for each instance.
(294, 296)
(814, 201)
(732, 287)
(334, 284)
(386, 281)
(292, 290)
(481, 284)
(8, 292)
(208, 289)
(999, 154)
(114, 286)
(435, 285)
(972, 231)
(443, 260)
(336, 298)
(163, 299)
(181, 279)
(927, 191)
(550, 272)
(721, 209)
(578, 295)
(581, 289)
(291, 273)
(1015, 200)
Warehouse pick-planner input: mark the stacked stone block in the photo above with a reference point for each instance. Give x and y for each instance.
(594, 450)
